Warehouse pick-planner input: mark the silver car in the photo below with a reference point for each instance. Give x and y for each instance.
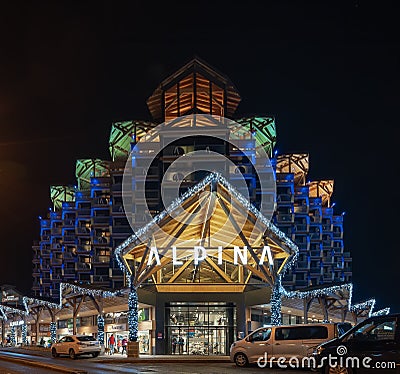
(284, 342)
(76, 345)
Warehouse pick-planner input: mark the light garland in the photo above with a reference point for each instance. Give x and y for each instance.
(317, 292)
(28, 301)
(100, 329)
(133, 320)
(276, 303)
(3, 314)
(382, 312)
(12, 337)
(366, 305)
(24, 333)
(86, 291)
(122, 249)
(8, 310)
(53, 331)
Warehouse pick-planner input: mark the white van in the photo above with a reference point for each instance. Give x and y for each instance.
(284, 341)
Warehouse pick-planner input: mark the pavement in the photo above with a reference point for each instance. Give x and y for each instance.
(32, 361)
(118, 358)
(37, 364)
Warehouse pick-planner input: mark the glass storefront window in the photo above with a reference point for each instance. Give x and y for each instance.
(200, 329)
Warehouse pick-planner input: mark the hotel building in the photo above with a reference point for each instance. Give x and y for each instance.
(210, 303)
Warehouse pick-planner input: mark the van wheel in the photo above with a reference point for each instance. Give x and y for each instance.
(338, 370)
(54, 353)
(241, 359)
(95, 354)
(72, 354)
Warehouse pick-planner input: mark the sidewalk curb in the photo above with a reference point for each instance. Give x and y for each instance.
(61, 369)
(159, 361)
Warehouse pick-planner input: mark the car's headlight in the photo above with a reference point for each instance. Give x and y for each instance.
(233, 344)
(318, 350)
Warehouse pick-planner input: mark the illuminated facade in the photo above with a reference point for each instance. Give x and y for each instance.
(87, 222)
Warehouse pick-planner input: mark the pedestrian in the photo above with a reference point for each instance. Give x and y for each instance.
(174, 345)
(42, 342)
(111, 344)
(124, 345)
(180, 345)
(119, 344)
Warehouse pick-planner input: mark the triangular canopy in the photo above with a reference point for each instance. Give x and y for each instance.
(215, 216)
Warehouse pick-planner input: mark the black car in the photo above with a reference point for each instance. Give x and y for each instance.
(372, 346)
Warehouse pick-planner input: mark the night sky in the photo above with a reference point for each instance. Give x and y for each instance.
(327, 71)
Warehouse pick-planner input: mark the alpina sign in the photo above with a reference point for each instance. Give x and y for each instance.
(200, 253)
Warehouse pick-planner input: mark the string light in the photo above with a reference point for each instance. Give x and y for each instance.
(86, 291)
(24, 333)
(133, 320)
(382, 312)
(317, 292)
(12, 337)
(29, 301)
(53, 331)
(100, 329)
(276, 303)
(211, 178)
(366, 305)
(4, 310)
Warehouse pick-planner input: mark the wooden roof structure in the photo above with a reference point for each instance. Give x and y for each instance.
(195, 88)
(210, 215)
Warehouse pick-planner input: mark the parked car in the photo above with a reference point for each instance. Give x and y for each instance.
(76, 345)
(375, 341)
(284, 341)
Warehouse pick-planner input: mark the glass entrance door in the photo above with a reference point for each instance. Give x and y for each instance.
(200, 329)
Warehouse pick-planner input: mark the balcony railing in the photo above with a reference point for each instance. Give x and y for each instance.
(69, 239)
(83, 230)
(101, 220)
(101, 259)
(56, 231)
(285, 218)
(101, 240)
(301, 228)
(121, 229)
(69, 223)
(327, 227)
(301, 209)
(83, 266)
(100, 278)
(83, 212)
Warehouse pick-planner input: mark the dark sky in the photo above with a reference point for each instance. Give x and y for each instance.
(328, 72)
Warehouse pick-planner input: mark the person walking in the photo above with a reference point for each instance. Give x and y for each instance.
(180, 345)
(124, 345)
(119, 345)
(111, 344)
(174, 342)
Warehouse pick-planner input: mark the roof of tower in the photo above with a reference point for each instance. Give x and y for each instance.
(196, 65)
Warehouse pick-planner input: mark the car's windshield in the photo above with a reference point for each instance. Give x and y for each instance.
(86, 338)
(343, 328)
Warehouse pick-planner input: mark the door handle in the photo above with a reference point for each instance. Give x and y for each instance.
(277, 343)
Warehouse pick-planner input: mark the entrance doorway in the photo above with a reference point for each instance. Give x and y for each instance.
(200, 329)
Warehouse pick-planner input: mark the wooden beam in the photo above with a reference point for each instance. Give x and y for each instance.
(218, 270)
(180, 271)
(244, 239)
